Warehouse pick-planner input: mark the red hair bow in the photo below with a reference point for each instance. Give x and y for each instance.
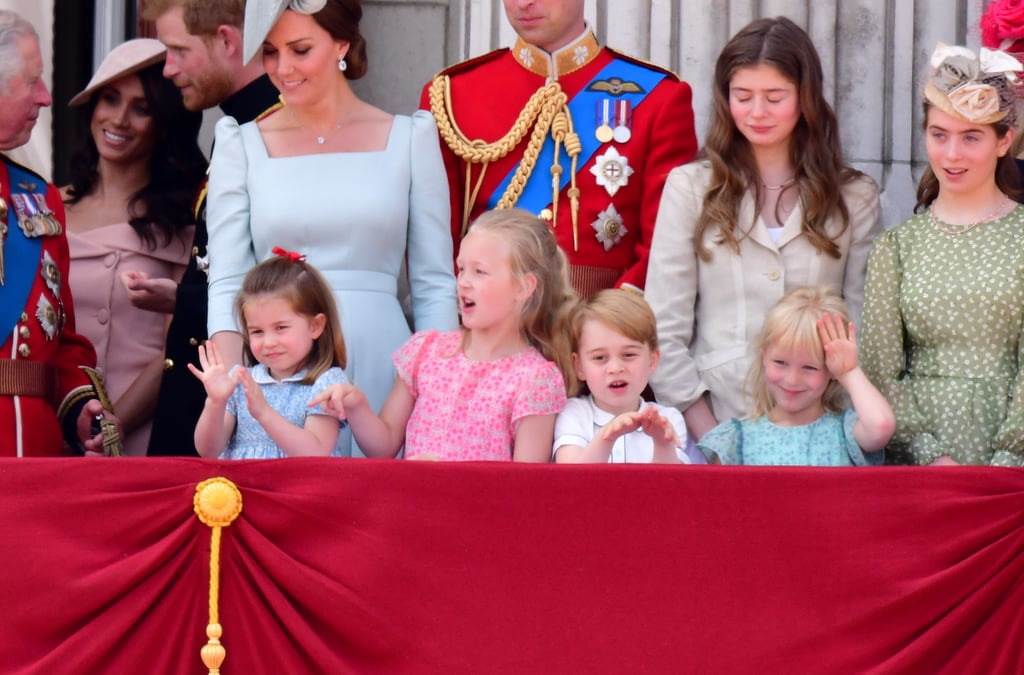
(291, 255)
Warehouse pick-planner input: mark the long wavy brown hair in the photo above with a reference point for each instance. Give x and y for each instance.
(814, 146)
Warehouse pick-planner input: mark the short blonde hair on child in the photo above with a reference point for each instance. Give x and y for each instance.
(793, 324)
(534, 251)
(300, 285)
(624, 311)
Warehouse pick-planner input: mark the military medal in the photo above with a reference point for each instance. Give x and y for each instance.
(622, 132)
(612, 170)
(609, 227)
(34, 218)
(604, 132)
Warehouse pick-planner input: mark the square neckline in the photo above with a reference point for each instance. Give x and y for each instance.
(267, 155)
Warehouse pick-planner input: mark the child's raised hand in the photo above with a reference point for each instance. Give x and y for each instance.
(214, 374)
(620, 425)
(659, 428)
(337, 397)
(840, 342)
(255, 401)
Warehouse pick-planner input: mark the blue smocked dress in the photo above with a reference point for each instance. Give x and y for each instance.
(288, 397)
(827, 441)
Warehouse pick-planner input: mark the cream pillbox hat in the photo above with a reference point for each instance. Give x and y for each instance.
(126, 58)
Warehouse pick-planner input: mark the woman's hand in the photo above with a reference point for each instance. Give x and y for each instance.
(151, 294)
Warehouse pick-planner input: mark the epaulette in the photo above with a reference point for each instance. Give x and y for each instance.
(23, 167)
(469, 64)
(641, 62)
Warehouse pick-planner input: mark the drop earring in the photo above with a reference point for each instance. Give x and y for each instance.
(342, 65)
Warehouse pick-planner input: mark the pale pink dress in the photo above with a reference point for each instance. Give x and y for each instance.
(470, 410)
(127, 338)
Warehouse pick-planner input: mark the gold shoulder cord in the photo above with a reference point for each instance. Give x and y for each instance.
(545, 111)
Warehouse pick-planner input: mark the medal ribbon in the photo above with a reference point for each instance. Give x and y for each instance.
(537, 193)
(21, 254)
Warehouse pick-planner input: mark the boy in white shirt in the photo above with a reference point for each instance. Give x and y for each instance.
(615, 350)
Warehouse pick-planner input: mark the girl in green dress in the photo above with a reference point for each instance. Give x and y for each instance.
(944, 297)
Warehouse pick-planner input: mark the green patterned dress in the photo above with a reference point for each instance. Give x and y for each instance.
(941, 339)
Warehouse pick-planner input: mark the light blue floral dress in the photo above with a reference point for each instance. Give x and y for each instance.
(288, 397)
(827, 441)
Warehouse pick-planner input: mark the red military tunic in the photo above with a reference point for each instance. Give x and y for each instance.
(615, 221)
(41, 351)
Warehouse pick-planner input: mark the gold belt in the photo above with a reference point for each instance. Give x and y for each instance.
(28, 378)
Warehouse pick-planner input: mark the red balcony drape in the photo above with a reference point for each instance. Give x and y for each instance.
(373, 566)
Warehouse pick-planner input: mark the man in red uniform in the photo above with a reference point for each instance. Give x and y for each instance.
(578, 133)
(45, 396)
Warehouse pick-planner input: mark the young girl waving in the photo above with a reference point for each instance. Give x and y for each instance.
(290, 328)
(491, 390)
(808, 356)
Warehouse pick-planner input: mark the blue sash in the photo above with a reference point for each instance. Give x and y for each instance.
(21, 254)
(583, 108)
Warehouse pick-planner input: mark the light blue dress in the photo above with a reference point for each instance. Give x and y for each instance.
(827, 441)
(357, 217)
(288, 397)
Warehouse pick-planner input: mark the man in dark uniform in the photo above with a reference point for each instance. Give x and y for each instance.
(204, 60)
(578, 133)
(46, 398)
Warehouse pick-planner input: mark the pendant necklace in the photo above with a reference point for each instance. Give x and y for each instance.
(780, 186)
(320, 139)
(954, 230)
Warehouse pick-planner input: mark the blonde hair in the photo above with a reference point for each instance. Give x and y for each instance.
(534, 251)
(301, 286)
(793, 324)
(624, 311)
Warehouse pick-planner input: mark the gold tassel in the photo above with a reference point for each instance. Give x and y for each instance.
(217, 503)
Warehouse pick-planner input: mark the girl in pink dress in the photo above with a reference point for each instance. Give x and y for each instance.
(491, 390)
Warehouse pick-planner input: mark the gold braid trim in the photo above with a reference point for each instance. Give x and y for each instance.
(539, 114)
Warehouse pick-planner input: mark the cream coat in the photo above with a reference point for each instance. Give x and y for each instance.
(709, 312)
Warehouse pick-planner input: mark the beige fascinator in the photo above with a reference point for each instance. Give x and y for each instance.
(261, 15)
(976, 89)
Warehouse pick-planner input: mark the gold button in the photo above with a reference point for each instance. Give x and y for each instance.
(23, 332)
(773, 275)
(194, 342)
(24, 351)
(24, 317)
(168, 364)
(546, 214)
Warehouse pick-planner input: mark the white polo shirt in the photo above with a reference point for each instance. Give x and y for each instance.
(581, 419)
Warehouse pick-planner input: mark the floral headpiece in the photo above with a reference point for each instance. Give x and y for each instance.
(260, 17)
(1002, 25)
(976, 89)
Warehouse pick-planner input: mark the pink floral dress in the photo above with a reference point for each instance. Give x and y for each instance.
(470, 410)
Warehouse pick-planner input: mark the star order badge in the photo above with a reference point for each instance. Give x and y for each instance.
(609, 227)
(612, 170)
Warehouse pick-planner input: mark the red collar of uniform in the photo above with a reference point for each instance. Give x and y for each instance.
(571, 57)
